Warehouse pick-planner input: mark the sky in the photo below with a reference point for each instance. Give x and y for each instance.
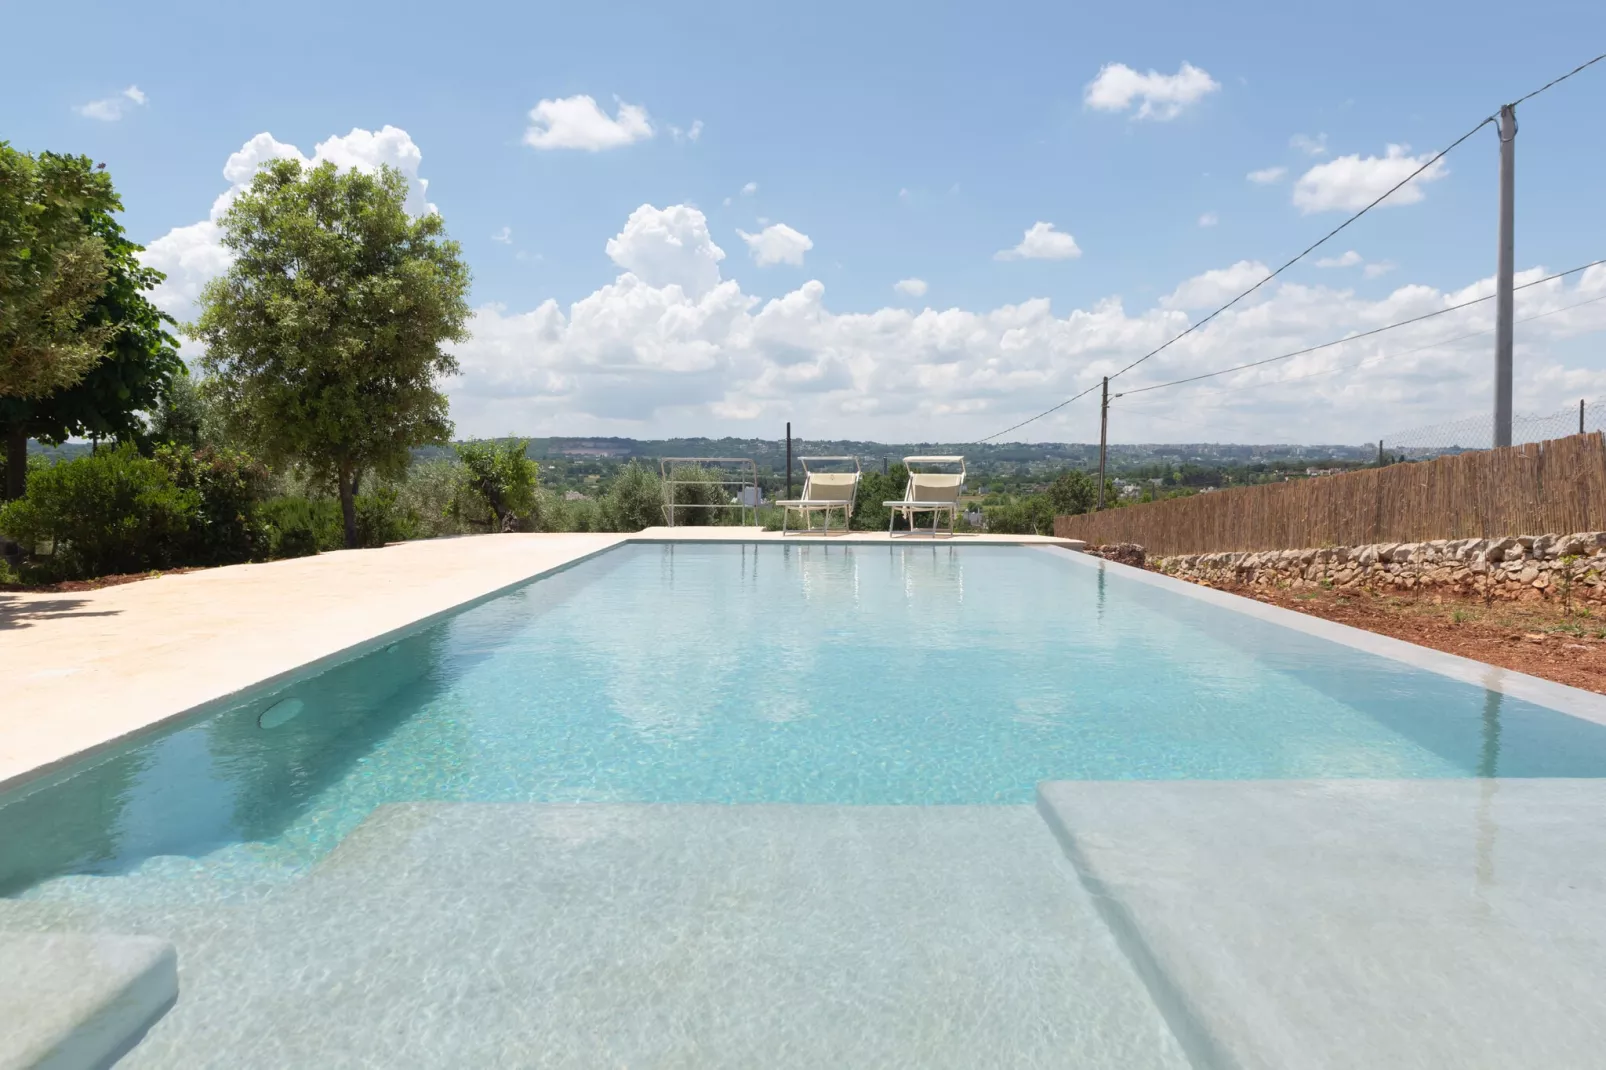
(895, 221)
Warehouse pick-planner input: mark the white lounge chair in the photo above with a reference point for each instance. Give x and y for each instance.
(823, 492)
(934, 492)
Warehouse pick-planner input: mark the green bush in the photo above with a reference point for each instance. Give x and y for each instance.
(297, 526)
(634, 500)
(383, 518)
(584, 515)
(430, 493)
(695, 486)
(501, 484)
(231, 486)
(1031, 515)
(874, 488)
(109, 512)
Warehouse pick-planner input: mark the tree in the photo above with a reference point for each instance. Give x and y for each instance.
(324, 338)
(1076, 492)
(138, 367)
(52, 268)
(501, 481)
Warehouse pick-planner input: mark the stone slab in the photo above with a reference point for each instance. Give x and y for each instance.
(79, 1002)
(1356, 923)
(502, 935)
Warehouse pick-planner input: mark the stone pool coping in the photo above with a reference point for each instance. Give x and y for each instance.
(86, 671)
(1585, 705)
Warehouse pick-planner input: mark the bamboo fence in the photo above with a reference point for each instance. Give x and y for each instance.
(1542, 487)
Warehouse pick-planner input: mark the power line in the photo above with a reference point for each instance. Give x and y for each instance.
(1306, 252)
(1357, 337)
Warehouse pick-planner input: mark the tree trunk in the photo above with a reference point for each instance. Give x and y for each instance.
(16, 462)
(348, 503)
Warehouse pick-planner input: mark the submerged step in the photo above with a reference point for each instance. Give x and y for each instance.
(668, 935)
(79, 1002)
(1287, 924)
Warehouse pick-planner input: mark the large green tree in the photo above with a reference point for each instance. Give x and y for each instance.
(324, 339)
(52, 268)
(139, 362)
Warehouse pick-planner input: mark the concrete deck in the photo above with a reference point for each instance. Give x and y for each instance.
(87, 669)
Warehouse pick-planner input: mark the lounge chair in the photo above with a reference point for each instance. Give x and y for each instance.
(823, 492)
(934, 492)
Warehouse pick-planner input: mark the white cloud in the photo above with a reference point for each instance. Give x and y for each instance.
(749, 189)
(578, 123)
(1042, 242)
(1209, 219)
(191, 255)
(505, 236)
(1349, 183)
(1158, 96)
(692, 134)
(668, 247)
(1215, 287)
(1348, 258)
(1381, 267)
(1267, 175)
(911, 287)
(1310, 146)
(777, 244)
(111, 109)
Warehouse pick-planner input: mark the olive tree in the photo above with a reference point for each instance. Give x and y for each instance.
(324, 338)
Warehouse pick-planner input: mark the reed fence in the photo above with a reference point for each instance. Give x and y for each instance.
(1556, 486)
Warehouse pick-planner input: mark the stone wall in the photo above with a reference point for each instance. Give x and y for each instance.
(1526, 566)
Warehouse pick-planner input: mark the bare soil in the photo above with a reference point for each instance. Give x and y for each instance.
(1566, 644)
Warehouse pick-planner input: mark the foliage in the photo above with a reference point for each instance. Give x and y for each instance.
(697, 485)
(52, 269)
(1030, 515)
(110, 512)
(1076, 492)
(383, 518)
(230, 487)
(181, 415)
(874, 488)
(298, 527)
(634, 500)
(324, 339)
(500, 481)
(432, 492)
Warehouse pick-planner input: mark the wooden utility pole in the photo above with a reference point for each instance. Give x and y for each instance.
(1505, 267)
(1104, 433)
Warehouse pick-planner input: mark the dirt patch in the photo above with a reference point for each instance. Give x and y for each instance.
(1544, 639)
(91, 585)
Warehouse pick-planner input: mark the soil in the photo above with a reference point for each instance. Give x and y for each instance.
(90, 585)
(1566, 644)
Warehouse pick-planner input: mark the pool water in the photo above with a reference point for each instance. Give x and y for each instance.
(904, 674)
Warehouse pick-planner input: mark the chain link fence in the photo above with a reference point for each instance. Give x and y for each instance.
(1477, 432)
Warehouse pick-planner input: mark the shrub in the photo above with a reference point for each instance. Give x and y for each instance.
(634, 500)
(584, 515)
(297, 526)
(382, 517)
(874, 488)
(430, 493)
(231, 486)
(109, 512)
(1031, 515)
(697, 486)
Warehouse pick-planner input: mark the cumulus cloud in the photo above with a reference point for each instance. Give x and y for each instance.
(578, 123)
(1042, 242)
(1348, 258)
(1215, 287)
(777, 244)
(1267, 175)
(1157, 96)
(505, 236)
(668, 247)
(110, 109)
(749, 189)
(1349, 183)
(1209, 219)
(190, 255)
(911, 287)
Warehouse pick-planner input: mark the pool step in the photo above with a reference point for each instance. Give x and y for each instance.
(1290, 924)
(709, 936)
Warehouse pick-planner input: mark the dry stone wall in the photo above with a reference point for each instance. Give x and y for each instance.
(1519, 567)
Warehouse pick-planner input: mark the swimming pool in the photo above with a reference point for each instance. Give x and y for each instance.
(906, 674)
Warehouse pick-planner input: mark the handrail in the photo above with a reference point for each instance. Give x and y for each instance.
(748, 480)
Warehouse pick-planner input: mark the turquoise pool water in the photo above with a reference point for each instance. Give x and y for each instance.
(910, 674)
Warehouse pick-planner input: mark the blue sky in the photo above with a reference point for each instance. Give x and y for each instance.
(899, 142)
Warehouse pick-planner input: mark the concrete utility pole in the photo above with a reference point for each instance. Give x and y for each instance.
(1504, 269)
(1104, 432)
(789, 460)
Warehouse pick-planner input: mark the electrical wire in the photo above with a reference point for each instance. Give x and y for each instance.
(1357, 337)
(1306, 252)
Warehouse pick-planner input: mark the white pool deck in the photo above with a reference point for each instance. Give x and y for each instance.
(1247, 924)
(87, 669)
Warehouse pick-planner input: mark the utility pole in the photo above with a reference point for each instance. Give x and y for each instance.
(789, 460)
(1104, 434)
(1580, 416)
(1504, 269)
